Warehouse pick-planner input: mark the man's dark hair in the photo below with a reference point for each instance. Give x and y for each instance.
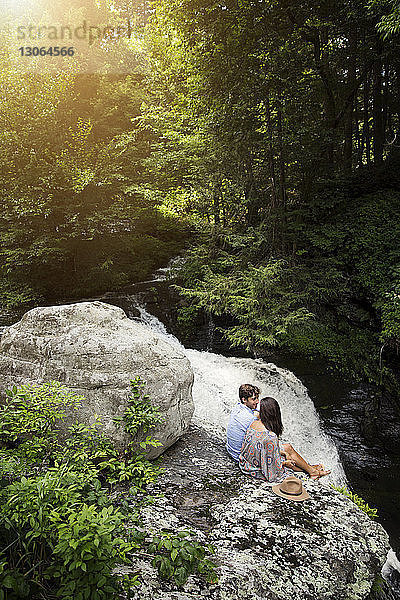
(270, 415)
(246, 390)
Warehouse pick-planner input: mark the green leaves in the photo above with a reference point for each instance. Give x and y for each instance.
(176, 556)
(358, 501)
(63, 534)
(336, 296)
(73, 188)
(30, 419)
(257, 296)
(12, 580)
(140, 413)
(62, 525)
(59, 536)
(87, 550)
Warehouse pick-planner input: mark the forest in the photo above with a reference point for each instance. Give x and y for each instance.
(258, 137)
(259, 140)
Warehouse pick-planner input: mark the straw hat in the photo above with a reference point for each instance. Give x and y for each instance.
(291, 489)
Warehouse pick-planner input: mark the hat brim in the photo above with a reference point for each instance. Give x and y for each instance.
(303, 496)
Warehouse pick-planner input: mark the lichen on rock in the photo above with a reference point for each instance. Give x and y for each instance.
(267, 547)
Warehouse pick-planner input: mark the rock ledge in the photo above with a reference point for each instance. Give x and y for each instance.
(267, 548)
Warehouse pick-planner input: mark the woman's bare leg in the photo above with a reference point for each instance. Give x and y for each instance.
(314, 471)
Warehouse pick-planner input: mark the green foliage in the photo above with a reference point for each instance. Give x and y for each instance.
(63, 535)
(62, 530)
(34, 410)
(85, 448)
(177, 556)
(13, 584)
(358, 501)
(140, 413)
(335, 297)
(258, 137)
(76, 215)
(15, 294)
(30, 429)
(249, 124)
(29, 424)
(87, 549)
(271, 301)
(389, 24)
(39, 512)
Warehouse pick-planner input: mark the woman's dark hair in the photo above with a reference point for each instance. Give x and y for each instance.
(270, 415)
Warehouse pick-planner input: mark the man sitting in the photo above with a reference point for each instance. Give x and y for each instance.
(241, 417)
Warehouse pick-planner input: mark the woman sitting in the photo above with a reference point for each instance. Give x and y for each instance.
(261, 455)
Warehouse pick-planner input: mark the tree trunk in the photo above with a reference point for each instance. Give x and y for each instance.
(366, 129)
(282, 173)
(385, 100)
(252, 205)
(216, 204)
(282, 179)
(271, 155)
(358, 133)
(348, 124)
(377, 107)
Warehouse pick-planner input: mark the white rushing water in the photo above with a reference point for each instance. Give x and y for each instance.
(162, 273)
(215, 392)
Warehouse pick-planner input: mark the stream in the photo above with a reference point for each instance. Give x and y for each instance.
(321, 413)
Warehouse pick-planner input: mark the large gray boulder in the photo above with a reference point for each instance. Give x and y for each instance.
(95, 350)
(267, 547)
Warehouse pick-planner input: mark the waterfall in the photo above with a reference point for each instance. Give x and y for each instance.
(215, 392)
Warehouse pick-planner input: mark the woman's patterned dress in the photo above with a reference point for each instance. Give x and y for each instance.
(260, 456)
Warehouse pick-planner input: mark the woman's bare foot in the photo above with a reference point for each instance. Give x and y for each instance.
(319, 467)
(318, 472)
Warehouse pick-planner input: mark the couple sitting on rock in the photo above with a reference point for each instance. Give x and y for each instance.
(253, 440)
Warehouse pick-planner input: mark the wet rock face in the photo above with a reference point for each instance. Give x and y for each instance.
(95, 350)
(267, 547)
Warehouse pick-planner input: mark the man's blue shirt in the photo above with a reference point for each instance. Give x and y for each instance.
(241, 417)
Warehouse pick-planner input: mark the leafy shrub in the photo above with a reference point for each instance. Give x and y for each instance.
(62, 534)
(85, 449)
(87, 551)
(140, 413)
(60, 527)
(30, 418)
(358, 501)
(13, 584)
(29, 430)
(36, 512)
(33, 410)
(177, 556)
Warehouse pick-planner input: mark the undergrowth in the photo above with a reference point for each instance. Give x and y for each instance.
(70, 502)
